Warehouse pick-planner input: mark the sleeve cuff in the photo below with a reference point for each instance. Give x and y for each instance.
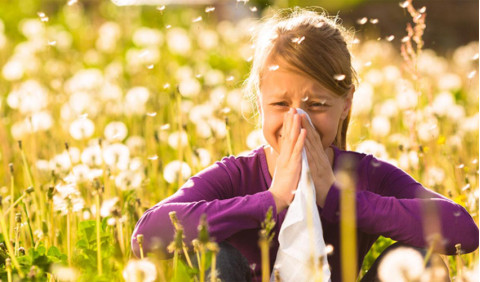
(267, 201)
(331, 210)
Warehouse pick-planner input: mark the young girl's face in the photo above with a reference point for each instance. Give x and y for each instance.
(282, 89)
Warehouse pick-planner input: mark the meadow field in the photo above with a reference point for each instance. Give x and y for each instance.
(106, 110)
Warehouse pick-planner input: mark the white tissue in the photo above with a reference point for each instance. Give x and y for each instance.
(302, 247)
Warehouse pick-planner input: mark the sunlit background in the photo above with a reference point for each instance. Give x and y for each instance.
(108, 107)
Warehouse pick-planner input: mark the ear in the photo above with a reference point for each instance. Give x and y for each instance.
(348, 103)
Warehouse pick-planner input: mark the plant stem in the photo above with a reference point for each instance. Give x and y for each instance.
(348, 232)
(69, 253)
(11, 252)
(28, 223)
(99, 246)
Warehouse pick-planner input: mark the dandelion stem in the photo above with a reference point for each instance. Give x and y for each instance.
(202, 262)
(99, 246)
(140, 244)
(28, 223)
(12, 198)
(263, 243)
(459, 262)
(10, 249)
(180, 130)
(69, 253)
(8, 266)
(14, 204)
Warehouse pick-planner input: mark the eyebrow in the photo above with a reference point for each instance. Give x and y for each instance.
(307, 94)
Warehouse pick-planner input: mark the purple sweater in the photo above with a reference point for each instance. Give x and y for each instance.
(234, 195)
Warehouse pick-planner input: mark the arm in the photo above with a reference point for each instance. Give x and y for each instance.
(211, 192)
(394, 205)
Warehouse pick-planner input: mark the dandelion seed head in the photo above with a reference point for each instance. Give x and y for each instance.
(402, 262)
(140, 270)
(117, 156)
(362, 21)
(174, 168)
(176, 139)
(115, 131)
(108, 206)
(63, 273)
(127, 180)
(82, 128)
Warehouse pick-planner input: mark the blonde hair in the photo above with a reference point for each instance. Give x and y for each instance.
(310, 42)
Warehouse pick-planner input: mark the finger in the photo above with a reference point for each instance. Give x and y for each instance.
(312, 133)
(297, 150)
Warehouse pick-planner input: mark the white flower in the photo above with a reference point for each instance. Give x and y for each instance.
(110, 92)
(372, 147)
(178, 41)
(135, 143)
(214, 77)
(199, 113)
(108, 35)
(449, 81)
(92, 156)
(108, 206)
(41, 121)
(428, 130)
(32, 28)
(408, 160)
(30, 97)
(135, 100)
(202, 157)
(362, 99)
(13, 70)
(140, 271)
(255, 139)
(202, 129)
(174, 168)
(406, 98)
(401, 264)
(434, 175)
(470, 124)
(218, 126)
(85, 80)
(389, 108)
(189, 87)
(380, 126)
(63, 273)
(207, 39)
(374, 77)
(82, 128)
(115, 131)
(145, 36)
(127, 180)
(67, 196)
(442, 103)
(176, 139)
(391, 73)
(117, 156)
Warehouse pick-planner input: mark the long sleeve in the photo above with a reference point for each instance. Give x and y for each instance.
(392, 204)
(223, 192)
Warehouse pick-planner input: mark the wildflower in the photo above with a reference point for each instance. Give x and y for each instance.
(388, 108)
(13, 70)
(178, 41)
(63, 273)
(115, 131)
(449, 81)
(213, 77)
(145, 36)
(176, 139)
(136, 144)
(207, 39)
(108, 206)
(202, 157)
(408, 160)
(30, 97)
(67, 197)
(401, 264)
(117, 156)
(82, 128)
(189, 87)
(127, 180)
(428, 129)
(108, 35)
(174, 168)
(434, 176)
(92, 156)
(406, 98)
(364, 95)
(135, 100)
(140, 270)
(380, 126)
(85, 80)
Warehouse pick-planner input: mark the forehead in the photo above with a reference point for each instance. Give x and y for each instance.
(279, 80)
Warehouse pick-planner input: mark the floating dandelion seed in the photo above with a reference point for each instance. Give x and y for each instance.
(225, 110)
(273, 67)
(304, 99)
(168, 26)
(230, 78)
(422, 10)
(252, 266)
(150, 66)
(373, 21)
(405, 39)
(362, 20)
(244, 1)
(475, 161)
(152, 114)
(52, 43)
(143, 54)
(253, 9)
(466, 187)
(71, 2)
(356, 41)
(475, 57)
(328, 249)
(165, 127)
(460, 166)
(198, 75)
(404, 4)
(298, 40)
(249, 59)
(209, 9)
(319, 25)
(339, 77)
(390, 38)
(196, 20)
(369, 63)
(153, 158)
(472, 74)
(161, 8)
(166, 85)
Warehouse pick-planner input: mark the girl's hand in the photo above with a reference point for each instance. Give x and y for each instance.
(289, 161)
(318, 161)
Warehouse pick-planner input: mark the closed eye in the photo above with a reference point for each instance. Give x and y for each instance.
(280, 104)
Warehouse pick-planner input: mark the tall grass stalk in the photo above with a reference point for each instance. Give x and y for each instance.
(8, 266)
(12, 198)
(8, 243)
(348, 233)
(69, 229)
(18, 223)
(29, 225)
(180, 131)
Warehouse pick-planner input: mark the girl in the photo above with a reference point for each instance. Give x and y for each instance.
(302, 61)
